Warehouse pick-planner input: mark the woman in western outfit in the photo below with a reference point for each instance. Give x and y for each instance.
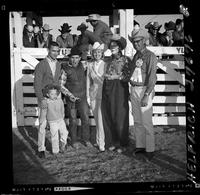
(95, 73)
(115, 94)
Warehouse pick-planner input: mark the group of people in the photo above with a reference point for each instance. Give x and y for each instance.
(172, 36)
(36, 35)
(103, 87)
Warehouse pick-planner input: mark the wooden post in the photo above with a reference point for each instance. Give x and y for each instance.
(18, 87)
(129, 27)
(12, 72)
(18, 29)
(122, 23)
(126, 27)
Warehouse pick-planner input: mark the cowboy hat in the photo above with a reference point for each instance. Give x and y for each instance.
(141, 33)
(46, 27)
(98, 46)
(83, 25)
(75, 51)
(93, 17)
(170, 25)
(154, 25)
(121, 41)
(65, 28)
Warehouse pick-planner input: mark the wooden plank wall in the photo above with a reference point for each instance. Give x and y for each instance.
(168, 103)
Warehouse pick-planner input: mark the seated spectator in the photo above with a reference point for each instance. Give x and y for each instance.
(168, 34)
(28, 37)
(45, 38)
(100, 28)
(85, 39)
(34, 19)
(65, 40)
(155, 37)
(178, 34)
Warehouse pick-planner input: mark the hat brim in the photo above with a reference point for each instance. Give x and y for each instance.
(130, 38)
(156, 27)
(46, 30)
(82, 27)
(64, 31)
(89, 20)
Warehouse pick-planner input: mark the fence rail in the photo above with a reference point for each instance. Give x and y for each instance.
(168, 103)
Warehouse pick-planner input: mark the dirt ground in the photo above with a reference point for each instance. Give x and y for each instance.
(87, 165)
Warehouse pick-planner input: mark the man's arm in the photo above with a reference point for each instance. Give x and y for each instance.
(64, 90)
(43, 111)
(38, 77)
(151, 74)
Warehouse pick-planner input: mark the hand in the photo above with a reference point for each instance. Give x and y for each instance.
(144, 101)
(72, 98)
(88, 101)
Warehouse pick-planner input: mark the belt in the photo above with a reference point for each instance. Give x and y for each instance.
(137, 84)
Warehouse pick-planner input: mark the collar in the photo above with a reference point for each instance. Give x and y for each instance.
(51, 59)
(141, 53)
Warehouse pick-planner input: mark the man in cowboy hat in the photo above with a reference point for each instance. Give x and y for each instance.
(178, 35)
(155, 37)
(85, 39)
(73, 86)
(101, 29)
(28, 37)
(143, 79)
(45, 38)
(65, 40)
(168, 34)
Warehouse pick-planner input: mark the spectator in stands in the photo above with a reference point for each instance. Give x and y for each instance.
(178, 34)
(65, 40)
(53, 111)
(29, 39)
(73, 86)
(95, 73)
(168, 34)
(142, 82)
(34, 19)
(46, 72)
(85, 39)
(115, 94)
(46, 38)
(101, 29)
(155, 37)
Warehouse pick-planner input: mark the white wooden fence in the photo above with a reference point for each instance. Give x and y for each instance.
(168, 103)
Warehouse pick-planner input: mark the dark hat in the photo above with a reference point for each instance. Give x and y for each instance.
(178, 21)
(170, 25)
(153, 25)
(75, 51)
(121, 41)
(83, 25)
(65, 28)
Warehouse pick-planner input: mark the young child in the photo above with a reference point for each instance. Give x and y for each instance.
(53, 111)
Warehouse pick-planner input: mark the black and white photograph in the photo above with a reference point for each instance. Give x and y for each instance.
(99, 97)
